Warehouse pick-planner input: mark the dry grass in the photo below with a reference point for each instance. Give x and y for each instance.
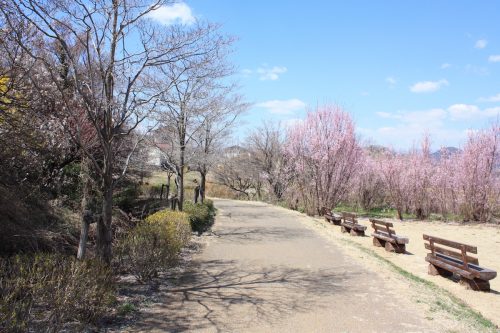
(485, 236)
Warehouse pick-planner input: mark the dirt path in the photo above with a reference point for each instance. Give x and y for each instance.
(264, 270)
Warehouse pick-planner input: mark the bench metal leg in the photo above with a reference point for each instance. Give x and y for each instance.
(476, 284)
(394, 247)
(434, 270)
(378, 243)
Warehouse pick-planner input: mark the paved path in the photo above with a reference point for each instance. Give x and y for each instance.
(262, 270)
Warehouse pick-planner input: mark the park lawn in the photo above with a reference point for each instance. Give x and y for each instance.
(374, 212)
(157, 178)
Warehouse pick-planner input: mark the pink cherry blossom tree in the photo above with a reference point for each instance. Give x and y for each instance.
(478, 175)
(324, 155)
(368, 187)
(393, 168)
(418, 179)
(445, 183)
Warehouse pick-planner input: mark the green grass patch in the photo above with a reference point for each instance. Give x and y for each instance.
(379, 212)
(126, 308)
(446, 302)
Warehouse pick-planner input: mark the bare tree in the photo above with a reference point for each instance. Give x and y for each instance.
(217, 123)
(267, 146)
(236, 170)
(182, 107)
(111, 51)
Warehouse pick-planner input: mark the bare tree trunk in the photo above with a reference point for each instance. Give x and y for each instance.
(196, 193)
(203, 182)
(104, 232)
(180, 189)
(86, 214)
(86, 219)
(167, 193)
(400, 214)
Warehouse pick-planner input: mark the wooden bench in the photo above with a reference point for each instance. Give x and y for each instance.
(448, 261)
(384, 236)
(329, 216)
(350, 224)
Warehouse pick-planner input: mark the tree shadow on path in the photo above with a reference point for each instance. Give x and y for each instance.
(220, 296)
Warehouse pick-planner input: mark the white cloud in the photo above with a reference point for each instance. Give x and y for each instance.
(495, 98)
(403, 136)
(391, 80)
(494, 58)
(481, 44)
(173, 14)
(457, 112)
(477, 70)
(463, 111)
(428, 86)
(283, 107)
(417, 118)
(246, 72)
(407, 127)
(445, 65)
(271, 73)
(492, 112)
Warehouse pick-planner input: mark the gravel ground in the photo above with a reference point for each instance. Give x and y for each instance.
(268, 269)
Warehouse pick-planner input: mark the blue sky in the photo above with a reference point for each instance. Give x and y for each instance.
(401, 68)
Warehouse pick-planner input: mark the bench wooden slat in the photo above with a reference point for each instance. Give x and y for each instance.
(384, 223)
(450, 253)
(384, 229)
(350, 221)
(393, 238)
(384, 237)
(449, 267)
(468, 248)
(458, 262)
(480, 272)
(355, 226)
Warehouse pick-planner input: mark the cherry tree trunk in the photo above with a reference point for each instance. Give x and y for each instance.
(180, 188)
(104, 232)
(203, 182)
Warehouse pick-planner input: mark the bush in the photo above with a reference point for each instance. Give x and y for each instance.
(42, 292)
(154, 244)
(177, 226)
(210, 204)
(201, 215)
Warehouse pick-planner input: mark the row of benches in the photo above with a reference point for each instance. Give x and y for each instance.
(446, 258)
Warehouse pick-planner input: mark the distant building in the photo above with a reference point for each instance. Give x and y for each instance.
(156, 154)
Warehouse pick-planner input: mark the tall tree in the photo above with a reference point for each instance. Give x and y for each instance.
(420, 171)
(218, 120)
(192, 84)
(267, 144)
(112, 52)
(324, 155)
(479, 174)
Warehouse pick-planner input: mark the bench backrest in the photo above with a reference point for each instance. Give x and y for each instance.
(436, 244)
(349, 217)
(382, 226)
